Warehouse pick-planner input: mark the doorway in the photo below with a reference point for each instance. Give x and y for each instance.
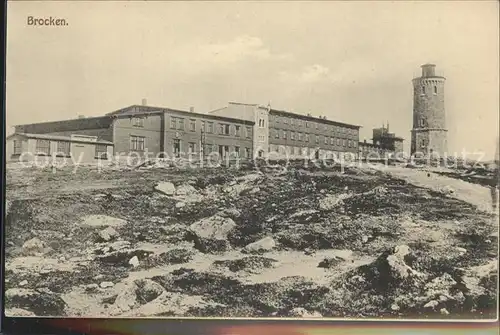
(177, 148)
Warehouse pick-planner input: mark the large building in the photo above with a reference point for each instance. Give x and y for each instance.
(429, 123)
(280, 134)
(138, 130)
(384, 145)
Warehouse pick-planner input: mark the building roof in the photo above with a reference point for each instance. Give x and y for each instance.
(396, 138)
(65, 125)
(142, 110)
(241, 103)
(59, 138)
(312, 118)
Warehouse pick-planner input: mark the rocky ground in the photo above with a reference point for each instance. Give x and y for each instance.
(306, 242)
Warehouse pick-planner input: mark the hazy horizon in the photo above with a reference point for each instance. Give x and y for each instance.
(350, 61)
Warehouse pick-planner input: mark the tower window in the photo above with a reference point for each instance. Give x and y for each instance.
(435, 89)
(422, 123)
(423, 89)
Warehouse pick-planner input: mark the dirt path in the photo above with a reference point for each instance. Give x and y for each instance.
(474, 194)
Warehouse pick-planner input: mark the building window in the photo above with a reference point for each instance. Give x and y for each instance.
(63, 148)
(203, 126)
(176, 123)
(349, 143)
(191, 147)
(101, 151)
(292, 135)
(300, 136)
(192, 125)
(237, 151)
(332, 141)
(18, 147)
(422, 143)
(422, 123)
(249, 132)
(137, 143)
(423, 89)
(237, 131)
(210, 129)
(261, 138)
(343, 142)
(326, 140)
(307, 137)
(307, 124)
(338, 141)
(261, 123)
(285, 120)
(284, 134)
(276, 133)
(435, 90)
(43, 147)
(224, 129)
(317, 126)
(247, 153)
(292, 121)
(138, 122)
(317, 139)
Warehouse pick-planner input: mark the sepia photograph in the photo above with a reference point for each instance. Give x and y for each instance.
(252, 159)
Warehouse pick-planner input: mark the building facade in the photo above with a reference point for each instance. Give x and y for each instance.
(281, 134)
(429, 133)
(294, 136)
(257, 114)
(148, 132)
(42, 148)
(384, 145)
(169, 133)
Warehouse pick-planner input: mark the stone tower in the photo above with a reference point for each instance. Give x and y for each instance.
(429, 123)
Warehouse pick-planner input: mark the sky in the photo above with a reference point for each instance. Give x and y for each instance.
(350, 61)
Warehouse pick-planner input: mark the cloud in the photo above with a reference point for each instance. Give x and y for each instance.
(308, 74)
(243, 50)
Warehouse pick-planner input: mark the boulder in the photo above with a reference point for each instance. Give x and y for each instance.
(106, 284)
(260, 246)
(107, 234)
(391, 270)
(134, 261)
(166, 188)
(33, 247)
(210, 234)
(185, 190)
(134, 294)
(40, 302)
(232, 213)
(332, 201)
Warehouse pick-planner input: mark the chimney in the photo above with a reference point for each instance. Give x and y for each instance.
(428, 70)
(144, 102)
(81, 116)
(191, 109)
